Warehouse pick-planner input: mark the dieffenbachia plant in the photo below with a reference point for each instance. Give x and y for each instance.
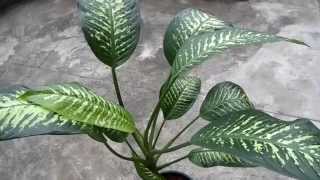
(237, 134)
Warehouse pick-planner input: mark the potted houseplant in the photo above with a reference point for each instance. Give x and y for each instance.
(237, 134)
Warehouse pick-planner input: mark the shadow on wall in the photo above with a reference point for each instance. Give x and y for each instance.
(4, 4)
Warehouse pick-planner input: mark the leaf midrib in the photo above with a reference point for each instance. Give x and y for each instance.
(180, 96)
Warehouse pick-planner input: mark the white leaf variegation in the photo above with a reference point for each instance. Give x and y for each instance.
(224, 98)
(75, 102)
(199, 48)
(208, 158)
(111, 28)
(19, 119)
(290, 148)
(180, 97)
(187, 23)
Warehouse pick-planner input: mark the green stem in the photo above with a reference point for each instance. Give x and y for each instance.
(180, 133)
(139, 140)
(171, 163)
(117, 154)
(153, 117)
(158, 134)
(131, 148)
(153, 128)
(116, 86)
(174, 148)
(118, 92)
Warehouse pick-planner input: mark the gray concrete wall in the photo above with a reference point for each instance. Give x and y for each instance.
(41, 43)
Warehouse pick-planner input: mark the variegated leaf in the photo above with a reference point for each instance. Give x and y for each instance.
(180, 97)
(224, 98)
(199, 48)
(75, 102)
(290, 148)
(208, 158)
(145, 173)
(187, 23)
(22, 119)
(111, 28)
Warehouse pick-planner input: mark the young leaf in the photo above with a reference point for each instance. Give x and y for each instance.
(77, 103)
(145, 173)
(22, 119)
(180, 97)
(208, 158)
(224, 98)
(111, 28)
(187, 23)
(290, 148)
(199, 48)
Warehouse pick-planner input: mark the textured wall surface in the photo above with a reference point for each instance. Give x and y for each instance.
(41, 43)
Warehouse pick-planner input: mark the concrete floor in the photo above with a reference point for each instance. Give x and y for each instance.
(41, 43)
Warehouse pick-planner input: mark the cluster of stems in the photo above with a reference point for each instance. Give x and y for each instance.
(147, 141)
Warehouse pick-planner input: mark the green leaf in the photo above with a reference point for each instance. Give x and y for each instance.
(111, 28)
(145, 173)
(208, 158)
(180, 97)
(222, 99)
(290, 148)
(22, 119)
(199, 48)
(187, 23)
(77, 103)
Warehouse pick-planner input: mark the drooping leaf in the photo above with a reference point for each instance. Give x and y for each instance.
(180, 97)
(290, 148)
(22, 119)
(145, 173)
(224, 98)
(77, 103)
(199, 48)
(111, 28)
(187, 23)
(208, 158)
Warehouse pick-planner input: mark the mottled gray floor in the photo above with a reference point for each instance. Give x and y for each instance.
(41, 43)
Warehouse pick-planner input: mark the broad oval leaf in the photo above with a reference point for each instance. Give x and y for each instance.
(75, 102)
(208, 158)
(111, 28)
(290, 148)
(180, 97)
(187, 23)
(224, 98)
(22, 119)
(199, 48)
(145, 173)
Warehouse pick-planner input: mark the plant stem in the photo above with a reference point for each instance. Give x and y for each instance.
(179, 134)
(139, 140)
(158, 134)
(153, 128)
(153, 117)
(118, 92)
(174, 148)
(117, 154)
(116, 86)
(131, 148)
(172, 162)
